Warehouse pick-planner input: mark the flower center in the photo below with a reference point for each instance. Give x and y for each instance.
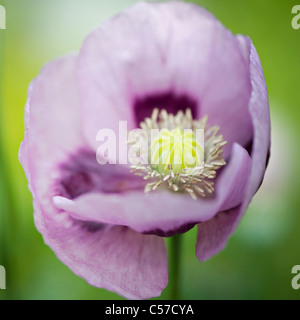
(184, 154)
(178, 148)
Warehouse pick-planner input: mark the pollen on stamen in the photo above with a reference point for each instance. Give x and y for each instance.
(178, 160)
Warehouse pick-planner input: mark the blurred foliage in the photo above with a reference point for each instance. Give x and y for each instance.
(259, 257)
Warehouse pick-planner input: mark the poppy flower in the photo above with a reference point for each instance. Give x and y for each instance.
(171, 66)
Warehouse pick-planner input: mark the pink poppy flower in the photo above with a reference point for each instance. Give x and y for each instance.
(98, 219)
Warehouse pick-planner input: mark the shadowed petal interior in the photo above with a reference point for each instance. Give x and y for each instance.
(163, 212)
(81, 173)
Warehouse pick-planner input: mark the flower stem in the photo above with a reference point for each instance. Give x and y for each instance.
(175, 251)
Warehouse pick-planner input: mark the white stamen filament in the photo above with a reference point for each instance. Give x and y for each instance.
(170, 145)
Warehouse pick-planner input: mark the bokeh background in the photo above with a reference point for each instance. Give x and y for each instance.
(259, 257)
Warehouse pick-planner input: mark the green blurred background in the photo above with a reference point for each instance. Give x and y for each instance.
(259, 257)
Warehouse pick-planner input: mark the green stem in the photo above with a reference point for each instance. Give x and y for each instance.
(175, 251)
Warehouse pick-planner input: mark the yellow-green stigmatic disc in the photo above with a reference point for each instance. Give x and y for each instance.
(176, 147)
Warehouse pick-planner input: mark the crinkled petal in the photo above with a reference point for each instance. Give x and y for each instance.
(111, 257)
(260, 113)
(52, 122)
(212, 235)
(163, 211)
(160, 48)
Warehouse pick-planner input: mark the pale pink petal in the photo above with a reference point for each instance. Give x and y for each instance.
(260, 113)
(163, 212)
(115, 258)
(173, 53)
(111, 257)
(212, 235)
(52, 126)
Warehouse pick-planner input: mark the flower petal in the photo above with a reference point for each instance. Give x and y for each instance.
(212, 235)
(80, 173)
(260, 113)
(115, 258)
(163, 212)
(52, 122)
(161, 49)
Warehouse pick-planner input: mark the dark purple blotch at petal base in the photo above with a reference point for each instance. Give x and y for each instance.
(182, 229)
(172, 103)
(81, 173)
(91, 227)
